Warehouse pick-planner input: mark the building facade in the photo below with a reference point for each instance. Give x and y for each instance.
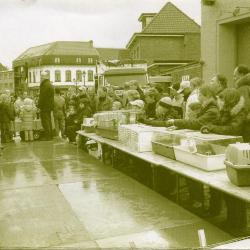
(168, 39)
(67, 63)
(6, 81)
(225, 36)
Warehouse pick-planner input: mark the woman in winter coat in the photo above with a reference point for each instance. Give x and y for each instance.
(232, 114)
(28, 115)
(208, 114)
(242, 82)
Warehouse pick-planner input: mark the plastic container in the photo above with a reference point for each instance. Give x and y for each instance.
(207, 162)
(238, 153)
(239, 175)
(107, 133)
(163, 149)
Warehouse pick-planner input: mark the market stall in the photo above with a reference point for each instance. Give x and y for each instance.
(162, 159)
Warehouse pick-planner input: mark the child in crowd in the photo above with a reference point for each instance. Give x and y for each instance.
(28, 115)
(71, 123)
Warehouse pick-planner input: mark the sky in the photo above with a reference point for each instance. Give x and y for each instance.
(109, 23)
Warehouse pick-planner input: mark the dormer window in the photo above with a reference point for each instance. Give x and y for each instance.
(90, 60)
(57, 59)
(78, 60)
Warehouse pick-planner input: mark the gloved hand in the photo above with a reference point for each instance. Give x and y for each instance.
(206, 129)
(169, 123)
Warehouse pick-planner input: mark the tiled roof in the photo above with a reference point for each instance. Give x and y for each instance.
(170, 19)
(60, 48)
(113, 54)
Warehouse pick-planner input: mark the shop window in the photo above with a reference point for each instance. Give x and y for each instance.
(57, 76)
(78, 75)
(57, 60)
(90, 75)
(68, 75)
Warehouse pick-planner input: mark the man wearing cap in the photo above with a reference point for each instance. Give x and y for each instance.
(46, 105)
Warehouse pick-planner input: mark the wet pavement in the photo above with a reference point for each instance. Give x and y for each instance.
(54, 195)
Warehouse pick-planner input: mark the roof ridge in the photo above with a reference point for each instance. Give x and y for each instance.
(161, 10)
(109, 48)
(185, 14)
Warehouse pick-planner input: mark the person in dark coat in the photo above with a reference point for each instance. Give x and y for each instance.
(232, 114)
(6, 116)
(46, 105)
(242, 84)
(209, 111)
(219, 83)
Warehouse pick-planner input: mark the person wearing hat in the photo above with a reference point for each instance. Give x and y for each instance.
(137, 105)
(46, 105)
(232, 114)
(185, 89)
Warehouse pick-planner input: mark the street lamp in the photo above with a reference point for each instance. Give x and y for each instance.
(74, 80)
(83, 74)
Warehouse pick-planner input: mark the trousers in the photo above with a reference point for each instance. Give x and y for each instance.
(46, 124)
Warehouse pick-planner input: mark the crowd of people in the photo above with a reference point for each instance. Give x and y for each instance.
(210, 107)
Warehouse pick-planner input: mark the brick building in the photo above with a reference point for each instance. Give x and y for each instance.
(168, 39)
(225, 36)
(188, 71)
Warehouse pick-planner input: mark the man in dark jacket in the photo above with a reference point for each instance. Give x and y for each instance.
(242, 84)
(232, 114)
(209, 113)
(46, 105)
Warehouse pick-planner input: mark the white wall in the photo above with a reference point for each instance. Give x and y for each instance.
(53, 68)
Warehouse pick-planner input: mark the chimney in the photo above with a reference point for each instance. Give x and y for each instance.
(91, 43)
(146, 18)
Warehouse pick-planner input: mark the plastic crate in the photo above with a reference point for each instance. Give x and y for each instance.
(163, 149)
(89, 129)
(107, 133)
(204, 162)
(239, 175)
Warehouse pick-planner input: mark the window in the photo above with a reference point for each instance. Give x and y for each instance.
(34, 76)
(57, 76)
(48, 72)
(30, 77)
(78, 60)
(57, 59)
(90, 60)
(78, 75)
(68, 75)
(138, 52)
(90, 75)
